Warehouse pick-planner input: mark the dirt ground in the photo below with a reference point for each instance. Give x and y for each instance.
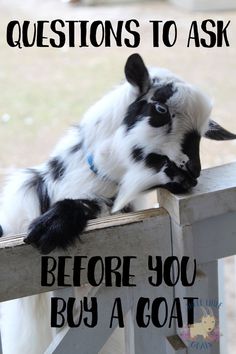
(44, 90)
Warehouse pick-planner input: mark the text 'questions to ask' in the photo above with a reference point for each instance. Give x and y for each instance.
(59, 33)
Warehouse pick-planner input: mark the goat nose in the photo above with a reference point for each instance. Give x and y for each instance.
(194, 168)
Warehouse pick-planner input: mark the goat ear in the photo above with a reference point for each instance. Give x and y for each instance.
(216, 132)
(136, 73)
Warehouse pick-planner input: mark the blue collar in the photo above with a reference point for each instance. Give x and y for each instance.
(90, 160)
(94, 169)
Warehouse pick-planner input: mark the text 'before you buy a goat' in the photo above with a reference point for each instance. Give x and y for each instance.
(60, 33)
(119, 273)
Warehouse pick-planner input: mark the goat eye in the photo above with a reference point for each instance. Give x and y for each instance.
(160, 108)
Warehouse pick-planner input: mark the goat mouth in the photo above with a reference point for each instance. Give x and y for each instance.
(191, 180)
(180, 188)
(190, 174)
(189, 183)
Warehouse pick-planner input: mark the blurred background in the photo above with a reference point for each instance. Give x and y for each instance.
(44, 90)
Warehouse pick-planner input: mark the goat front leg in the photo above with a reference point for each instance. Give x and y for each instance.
(62, 224)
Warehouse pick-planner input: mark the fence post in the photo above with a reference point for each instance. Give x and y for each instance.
(203, 225)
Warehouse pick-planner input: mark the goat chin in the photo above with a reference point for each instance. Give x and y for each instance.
(24, 326)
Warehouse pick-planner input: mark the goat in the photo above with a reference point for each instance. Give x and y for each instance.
(144, 134)
(205, 327)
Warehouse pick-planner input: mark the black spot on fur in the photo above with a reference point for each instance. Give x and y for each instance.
(56, 168)
(155, 161)
(163, 93)
(1, 231)
(158, 119)
(137, 154)
(183, 183)
(180, 180)
(141, 109)
(169, 127)
(190, 147)
(135, 113)
(184, 178)
(62, 224)
(172, 170)
(75, 148)
(37, 182)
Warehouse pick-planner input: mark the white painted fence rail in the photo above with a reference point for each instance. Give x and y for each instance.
(201, 225)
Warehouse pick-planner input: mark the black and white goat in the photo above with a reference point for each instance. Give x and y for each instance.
(142, 135)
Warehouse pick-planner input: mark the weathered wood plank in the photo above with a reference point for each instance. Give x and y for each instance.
(137, 234)
(96, 224)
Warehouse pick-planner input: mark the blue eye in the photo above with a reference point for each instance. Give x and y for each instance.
(161, 108)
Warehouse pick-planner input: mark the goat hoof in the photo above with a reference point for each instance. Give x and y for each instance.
(59, 227)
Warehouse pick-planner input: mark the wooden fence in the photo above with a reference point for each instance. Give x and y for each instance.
(200, 225)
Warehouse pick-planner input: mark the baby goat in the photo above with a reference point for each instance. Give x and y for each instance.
(144, 134)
